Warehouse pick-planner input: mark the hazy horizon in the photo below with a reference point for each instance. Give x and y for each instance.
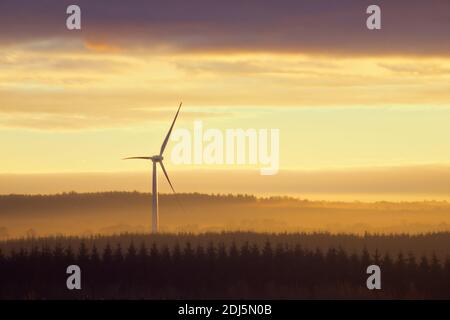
(345, 184)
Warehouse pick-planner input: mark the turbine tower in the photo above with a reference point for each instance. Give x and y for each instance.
(158, 159)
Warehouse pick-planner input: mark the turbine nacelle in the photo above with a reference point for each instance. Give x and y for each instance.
(157, 158)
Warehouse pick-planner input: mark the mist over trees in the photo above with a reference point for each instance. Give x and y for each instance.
(120, 212)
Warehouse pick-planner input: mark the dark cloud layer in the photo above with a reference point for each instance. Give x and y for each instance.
(409, 26)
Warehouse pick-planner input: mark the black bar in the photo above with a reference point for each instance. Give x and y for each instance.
(228, 309)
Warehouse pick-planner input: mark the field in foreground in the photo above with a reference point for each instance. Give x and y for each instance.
(227, 265)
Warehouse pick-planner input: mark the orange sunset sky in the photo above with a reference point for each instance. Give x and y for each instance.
(362, 114)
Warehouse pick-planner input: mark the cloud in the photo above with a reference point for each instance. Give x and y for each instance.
(97, 120)
(425, 69)
(307, 66)
(84, 90)
(101, 47)
(338, 27)
(134, 56)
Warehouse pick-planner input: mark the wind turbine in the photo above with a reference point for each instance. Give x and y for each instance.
(158, 159)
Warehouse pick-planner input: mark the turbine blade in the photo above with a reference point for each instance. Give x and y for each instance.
(163, 146)
(167, 176)
(144, 158)
(176, 194)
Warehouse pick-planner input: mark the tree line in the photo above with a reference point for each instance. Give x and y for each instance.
(216, 271)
